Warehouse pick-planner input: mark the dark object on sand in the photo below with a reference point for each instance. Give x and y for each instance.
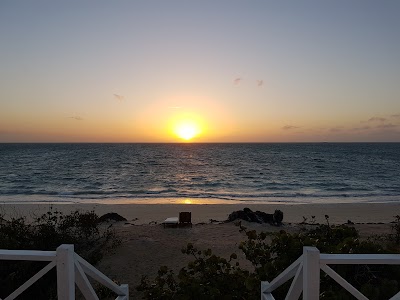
(111, 217)
(185, 219)
(258, 216)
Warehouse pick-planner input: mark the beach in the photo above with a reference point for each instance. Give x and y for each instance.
(143, 214)
(141, 110)
(147, 245)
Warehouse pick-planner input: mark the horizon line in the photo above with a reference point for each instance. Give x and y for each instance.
(299, 142)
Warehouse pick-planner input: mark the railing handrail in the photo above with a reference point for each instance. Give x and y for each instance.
(355, 259)
(71, 269)
(33, 255)
(306, 273)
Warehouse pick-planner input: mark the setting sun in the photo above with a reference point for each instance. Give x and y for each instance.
(186, 130)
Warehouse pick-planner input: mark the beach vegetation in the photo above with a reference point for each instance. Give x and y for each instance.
(47, 231)
(209, 276)
(395, 235)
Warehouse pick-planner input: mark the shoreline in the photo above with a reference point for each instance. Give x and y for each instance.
(141, 214)
(288, 200)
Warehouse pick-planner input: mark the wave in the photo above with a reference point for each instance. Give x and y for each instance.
(219, 191)
(243, 172)
(226, 195)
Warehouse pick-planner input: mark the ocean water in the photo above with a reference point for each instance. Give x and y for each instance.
(200, 173)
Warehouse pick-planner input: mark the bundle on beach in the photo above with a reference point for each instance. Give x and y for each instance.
(257, 216)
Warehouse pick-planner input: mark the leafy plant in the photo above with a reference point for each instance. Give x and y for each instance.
(207, 277)
(396, 228)
(47, 232)
(211, 277)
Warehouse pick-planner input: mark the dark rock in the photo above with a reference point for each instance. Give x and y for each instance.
(247, 210)
(267, 218)
(111, 217)
(258, 216)
(254, 217)
(239, 214)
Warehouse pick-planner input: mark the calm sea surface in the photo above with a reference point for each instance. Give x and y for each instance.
(200, 173)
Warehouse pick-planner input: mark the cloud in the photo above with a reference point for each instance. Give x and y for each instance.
(361, 128)
(119, 98)
(395, 116)
(377, 119)
(289, 127)
(77, 118)
(387, 126)
(336, 129)
(237, 81)
(260, 82)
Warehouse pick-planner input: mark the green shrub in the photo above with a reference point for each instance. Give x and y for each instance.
(47, 232)
(211, 277)
(207, 277)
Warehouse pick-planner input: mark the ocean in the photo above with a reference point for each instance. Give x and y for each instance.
(200, 173)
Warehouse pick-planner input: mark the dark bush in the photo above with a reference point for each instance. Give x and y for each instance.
(213, 277)
(47, 232)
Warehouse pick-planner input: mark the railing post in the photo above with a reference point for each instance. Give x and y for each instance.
(125, 287)
(263, 288)
(311, 273)
(65, 272)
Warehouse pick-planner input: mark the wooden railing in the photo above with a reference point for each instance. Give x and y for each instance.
(306, 273)
(71, 269)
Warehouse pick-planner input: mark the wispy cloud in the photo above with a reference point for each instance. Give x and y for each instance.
(289, 127)
(336, 129)
(361, 128)
(377, 119)
(387, 126)
(237, 81)
(77, 118)
(119, 98)
(395, 116)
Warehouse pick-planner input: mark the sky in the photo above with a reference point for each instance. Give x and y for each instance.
(237, 71)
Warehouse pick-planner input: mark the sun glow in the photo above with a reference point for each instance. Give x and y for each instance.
(186, 129)
(187, 201)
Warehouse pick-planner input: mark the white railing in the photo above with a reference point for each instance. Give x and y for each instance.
(306, 273)
(71, 269)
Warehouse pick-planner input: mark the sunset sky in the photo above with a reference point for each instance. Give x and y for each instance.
(238, 71)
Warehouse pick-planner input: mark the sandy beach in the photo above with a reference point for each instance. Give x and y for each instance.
(141, 214)
(147, 245)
